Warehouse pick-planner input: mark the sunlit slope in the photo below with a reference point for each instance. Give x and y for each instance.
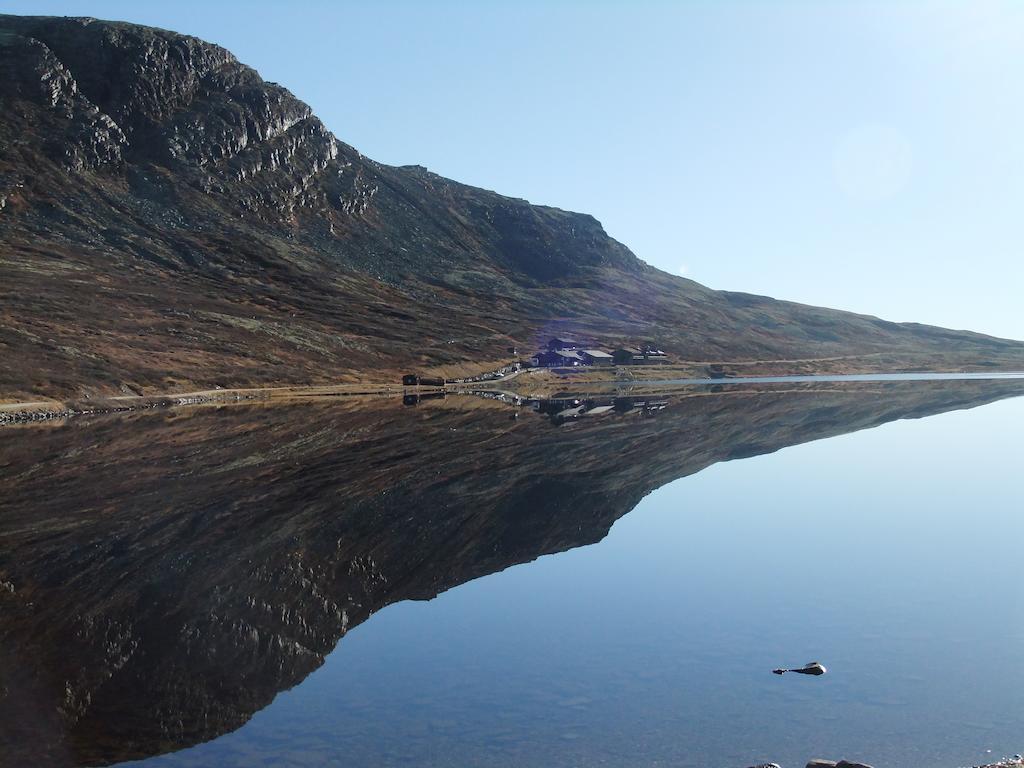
(169, 220)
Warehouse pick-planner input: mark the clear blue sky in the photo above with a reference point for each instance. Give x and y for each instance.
(860, 155)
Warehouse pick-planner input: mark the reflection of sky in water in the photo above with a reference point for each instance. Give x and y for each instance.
(892, 556)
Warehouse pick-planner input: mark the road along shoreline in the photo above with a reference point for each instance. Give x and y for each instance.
(50, 410)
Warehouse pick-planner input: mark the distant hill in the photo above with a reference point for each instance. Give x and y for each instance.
(168, 219)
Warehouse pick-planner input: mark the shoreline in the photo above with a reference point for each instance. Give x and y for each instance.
(51, 410)
(551, 383)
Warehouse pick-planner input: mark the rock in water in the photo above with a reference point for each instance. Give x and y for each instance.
(811, 668)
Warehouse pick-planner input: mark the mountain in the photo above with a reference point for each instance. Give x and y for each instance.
(169, 220)
(152, 599)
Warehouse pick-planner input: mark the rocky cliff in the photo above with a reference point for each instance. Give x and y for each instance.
(168, 219)
(151, 598)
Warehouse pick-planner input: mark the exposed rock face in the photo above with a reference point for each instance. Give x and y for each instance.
(190, 107)
(168, 219)
(80, 136)
(176, 102)
(151, 599)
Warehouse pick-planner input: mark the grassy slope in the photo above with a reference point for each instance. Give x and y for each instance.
(218, 235)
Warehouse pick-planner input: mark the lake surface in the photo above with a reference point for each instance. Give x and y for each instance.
(851, 377)
(609, 588)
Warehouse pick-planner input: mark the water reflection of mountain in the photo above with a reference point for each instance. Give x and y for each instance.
(163, 576)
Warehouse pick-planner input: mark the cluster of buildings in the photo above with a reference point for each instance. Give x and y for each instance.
(569, 353)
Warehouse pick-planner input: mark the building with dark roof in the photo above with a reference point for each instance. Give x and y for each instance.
(562, 358)
(595, 357)
(562, 342)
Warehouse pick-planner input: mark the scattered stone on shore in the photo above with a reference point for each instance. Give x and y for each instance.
(141, 403)
(24, 417)
(1017, 761)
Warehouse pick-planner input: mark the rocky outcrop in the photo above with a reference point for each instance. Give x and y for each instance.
(177, 102)
(78, 135)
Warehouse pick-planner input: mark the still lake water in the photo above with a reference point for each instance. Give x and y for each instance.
(890, 554)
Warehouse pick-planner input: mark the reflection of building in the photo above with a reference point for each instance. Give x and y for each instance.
(415, 399)
(555, 405)
(639, 404)
(564, 409)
